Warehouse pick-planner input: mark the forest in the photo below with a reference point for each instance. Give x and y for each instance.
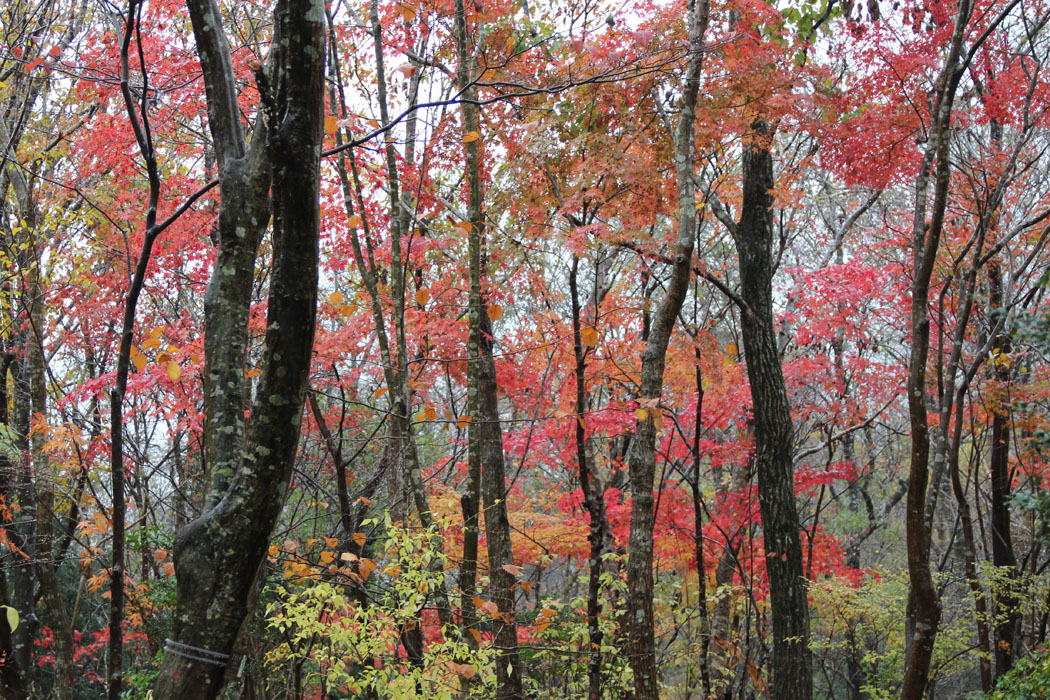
(524, 349)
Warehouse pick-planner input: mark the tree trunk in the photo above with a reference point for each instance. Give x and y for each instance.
(1005, 601)
(486, 434)
(218, 556)
(638, 622)
(791, 675)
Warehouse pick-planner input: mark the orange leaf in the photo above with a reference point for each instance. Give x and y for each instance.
(331, 124)
(336, 298)
(462, 422)
(429, 413)
(589, 336)
(290, 545)
(512, 569)
(526, 586)
(360, 538)
(407, 13)
(169, 569)
(490, 607)
(354, 221)
(540, 626)
(495, 312)
(160, 554)
(476, 635)
(380, 391)
(138, 359)
(366, 567)
(422, 296)
(327, 558)
(641, 414)
(364, 501)
(471, 136)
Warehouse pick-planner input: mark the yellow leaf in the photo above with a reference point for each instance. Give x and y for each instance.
(174, 371)
(422, 296)
(12, 618)
(471, 136)
(336, 298)
(354, 221)
(348, 556)
(150, 343)
(331, 124)
(589, 336)
(163, 358)
(495, 312)
(138, 359)
(641, 414)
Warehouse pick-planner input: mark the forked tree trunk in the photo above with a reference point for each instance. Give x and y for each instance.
(219, 555)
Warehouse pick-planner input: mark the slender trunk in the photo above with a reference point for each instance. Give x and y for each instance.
(486, 434)
(1005, 600)
(925, 244)
(600, 532)
(638, 622)
(698, 536)
(791, 675)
